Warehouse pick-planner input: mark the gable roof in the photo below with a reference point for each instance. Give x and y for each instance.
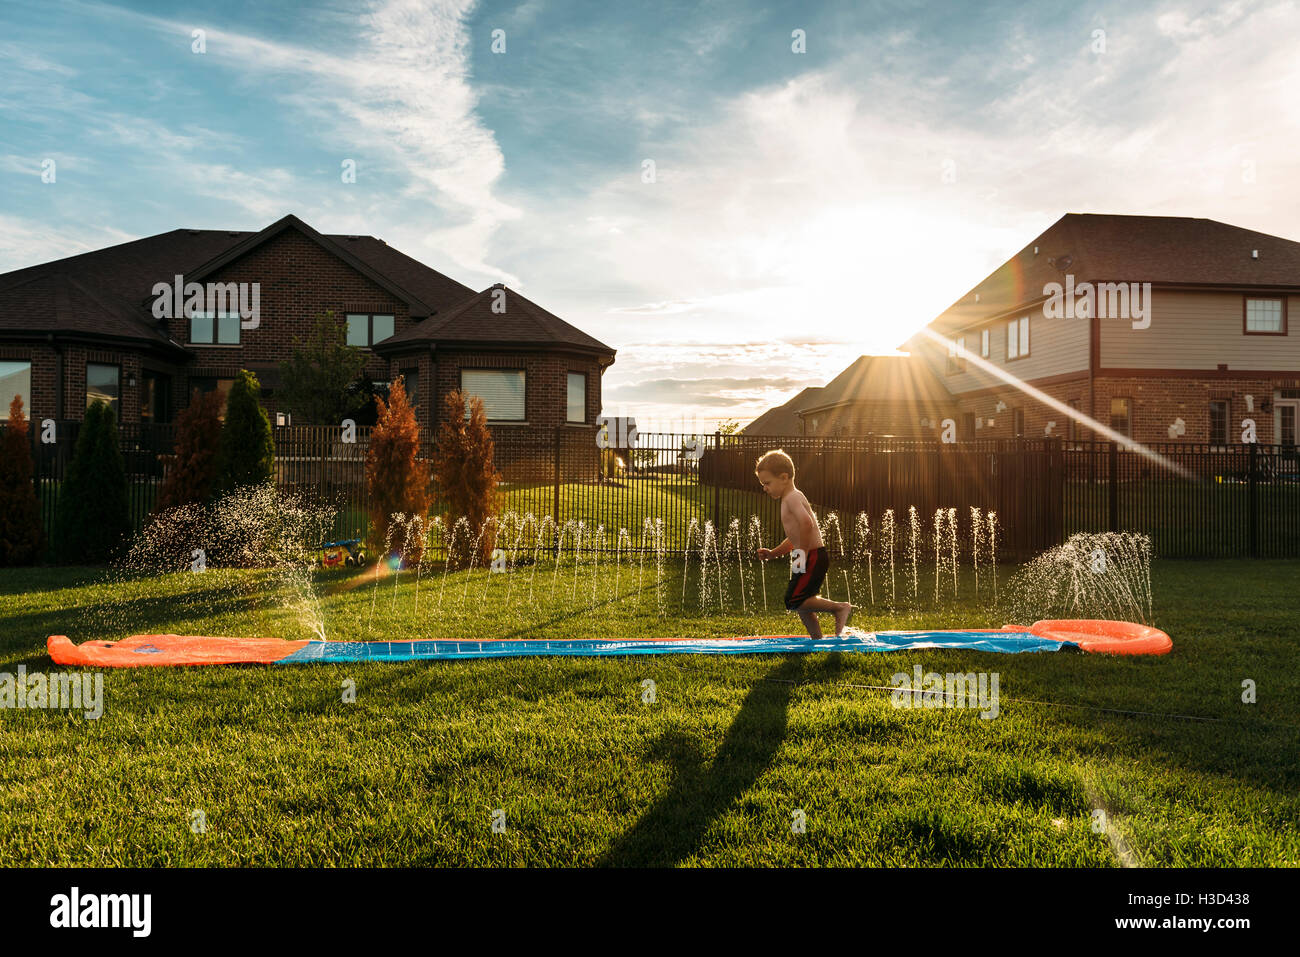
(1169, 250)
(881, 379)
(112, 287)
(783, 419)
(474, 322)
(418, 308)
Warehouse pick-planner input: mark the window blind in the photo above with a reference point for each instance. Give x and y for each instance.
(502, 392)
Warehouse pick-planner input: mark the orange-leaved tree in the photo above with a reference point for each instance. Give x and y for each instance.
(465, 477)
(194, 465)
(397, 479)
(20, 515)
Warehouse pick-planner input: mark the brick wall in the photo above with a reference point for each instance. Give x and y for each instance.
(1155, 403)
(1037, 415)
(299, 282)
(546, 384)
(1158, 401)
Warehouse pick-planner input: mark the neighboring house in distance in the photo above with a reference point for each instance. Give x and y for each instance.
(890, 395)
(1218, 350)
(83, 328)
(782, 419)
(884, 395)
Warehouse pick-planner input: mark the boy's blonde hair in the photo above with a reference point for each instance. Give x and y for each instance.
(777, 462)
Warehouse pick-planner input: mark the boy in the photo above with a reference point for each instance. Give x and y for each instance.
(775, 472)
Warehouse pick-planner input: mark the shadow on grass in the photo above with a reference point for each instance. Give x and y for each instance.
(675, 826)
(35, 579)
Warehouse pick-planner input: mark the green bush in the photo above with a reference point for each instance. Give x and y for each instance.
(247, 453)
(94, 516)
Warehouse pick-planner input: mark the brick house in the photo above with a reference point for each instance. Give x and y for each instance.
(1209, 352)
(892, 395)
(88, 327)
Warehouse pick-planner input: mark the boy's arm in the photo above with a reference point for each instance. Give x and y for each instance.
(786, 546)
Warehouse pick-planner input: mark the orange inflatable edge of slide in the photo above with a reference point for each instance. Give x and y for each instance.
(135, 651)
(1100, 635)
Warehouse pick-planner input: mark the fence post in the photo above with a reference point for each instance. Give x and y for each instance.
(556, 506)
(1113, 454)
(717, 481)
(1056, 484)
(1253, 501)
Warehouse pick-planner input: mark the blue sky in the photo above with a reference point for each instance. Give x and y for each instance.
(807, 207)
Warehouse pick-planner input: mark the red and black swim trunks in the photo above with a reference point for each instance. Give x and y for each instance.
(803, 585)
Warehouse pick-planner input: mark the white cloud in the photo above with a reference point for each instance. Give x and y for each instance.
(817, 207)
(28, 242)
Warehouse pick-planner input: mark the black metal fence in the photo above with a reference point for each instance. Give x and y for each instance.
(1194, 500)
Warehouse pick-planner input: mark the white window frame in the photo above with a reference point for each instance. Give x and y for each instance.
(1257, 301)
(1018, 338)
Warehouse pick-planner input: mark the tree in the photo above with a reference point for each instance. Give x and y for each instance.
(397, 479)
(362, 392)
(729, 426)
(198, 441)
(319, 383)
(464, 475)
(246, 454)
(94, 518)
(20, 514)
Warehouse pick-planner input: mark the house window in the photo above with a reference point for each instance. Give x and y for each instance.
(1121, 415)
(155, 398)
(957, 355)
(411, 383)
(1018, 422)
(16, 380)
(1219, 422)
(502, 392)
(214, 328)
(103, 385)
(365, 329)
(968, 424)
(1018, 338)
(207, 384)
(1072, 429)
(1265, 317)
(577, 411)
(984, 343)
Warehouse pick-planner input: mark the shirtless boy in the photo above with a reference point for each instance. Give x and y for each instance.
(775, 472)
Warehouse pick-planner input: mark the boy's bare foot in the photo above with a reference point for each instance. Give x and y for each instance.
(842, 616)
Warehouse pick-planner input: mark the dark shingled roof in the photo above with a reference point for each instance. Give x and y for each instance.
(1093, 247)
(107, 292)
(60, 302)
(522, 323)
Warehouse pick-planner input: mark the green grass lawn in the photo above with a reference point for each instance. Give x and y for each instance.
(586, 772)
